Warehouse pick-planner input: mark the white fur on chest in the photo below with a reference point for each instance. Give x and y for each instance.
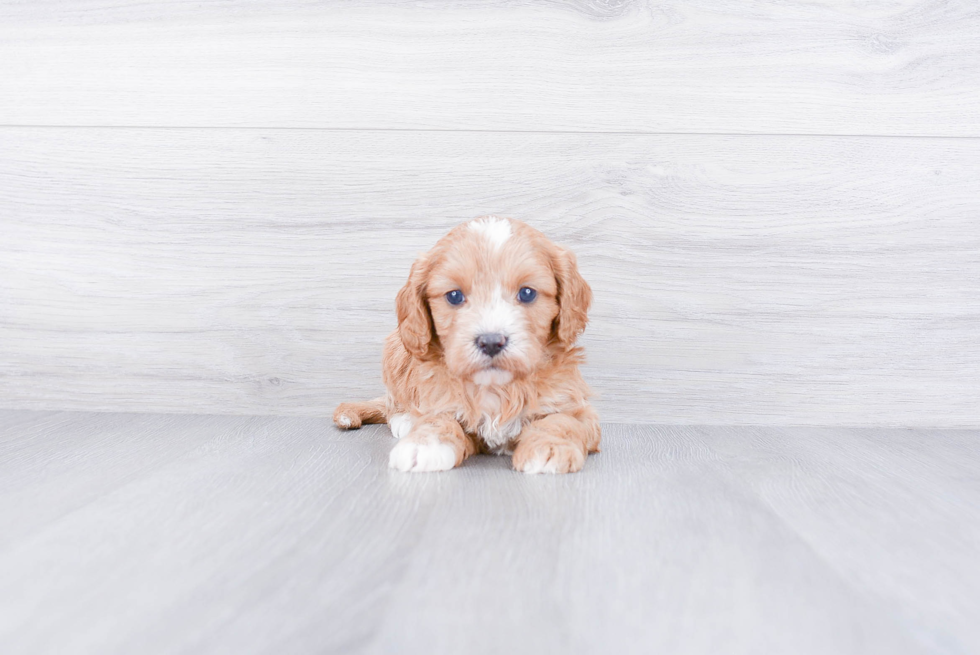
(495, 433)
(498, 435)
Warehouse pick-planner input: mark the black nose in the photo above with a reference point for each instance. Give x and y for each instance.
(491, 343)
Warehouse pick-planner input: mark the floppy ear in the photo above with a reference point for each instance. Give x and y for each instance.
(414, 319)
(574, 298)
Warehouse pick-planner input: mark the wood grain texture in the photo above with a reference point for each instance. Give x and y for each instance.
(907, 67)
(738, 280)
(272, 535)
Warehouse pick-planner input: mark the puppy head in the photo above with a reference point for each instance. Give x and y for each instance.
(493, 299)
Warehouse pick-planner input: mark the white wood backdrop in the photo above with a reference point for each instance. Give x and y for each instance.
(778, 206)
(817, 67)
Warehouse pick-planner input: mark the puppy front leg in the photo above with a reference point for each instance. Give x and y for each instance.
(435, 443)
(557, 443)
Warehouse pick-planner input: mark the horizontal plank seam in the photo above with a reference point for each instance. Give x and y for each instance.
(476, 131)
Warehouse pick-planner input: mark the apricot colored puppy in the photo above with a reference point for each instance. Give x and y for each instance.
(484, 358)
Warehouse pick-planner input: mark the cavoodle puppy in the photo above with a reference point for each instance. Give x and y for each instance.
(484, 358)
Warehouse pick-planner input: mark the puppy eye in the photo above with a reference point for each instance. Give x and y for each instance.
(527, 294)
(455, 297)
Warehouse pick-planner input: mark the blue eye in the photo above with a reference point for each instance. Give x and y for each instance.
(455, 297)
(527, 294)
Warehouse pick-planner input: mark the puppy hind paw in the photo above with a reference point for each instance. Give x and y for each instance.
(346, 418)
(419, 458)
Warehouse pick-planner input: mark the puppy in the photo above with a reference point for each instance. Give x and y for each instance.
(484, 358)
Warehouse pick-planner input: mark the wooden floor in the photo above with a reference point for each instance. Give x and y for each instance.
(130, 533)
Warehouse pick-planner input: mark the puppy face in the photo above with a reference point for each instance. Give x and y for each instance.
(492, 300)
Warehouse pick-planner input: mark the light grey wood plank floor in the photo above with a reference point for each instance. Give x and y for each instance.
(703, 66)
(738, 280)
(203, 534)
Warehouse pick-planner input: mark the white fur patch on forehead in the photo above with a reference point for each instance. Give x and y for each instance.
(495, 230)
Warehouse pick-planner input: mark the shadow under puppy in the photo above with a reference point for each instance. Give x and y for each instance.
(484, 358)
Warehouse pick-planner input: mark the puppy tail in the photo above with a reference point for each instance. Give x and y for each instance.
(350, 416)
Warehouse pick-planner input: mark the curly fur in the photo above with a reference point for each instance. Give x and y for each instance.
(454, 400)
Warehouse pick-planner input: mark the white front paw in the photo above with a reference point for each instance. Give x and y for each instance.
(400, 425)
(418, 458)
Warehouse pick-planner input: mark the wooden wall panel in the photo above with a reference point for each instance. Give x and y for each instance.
(703, 66)
(738, 279)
